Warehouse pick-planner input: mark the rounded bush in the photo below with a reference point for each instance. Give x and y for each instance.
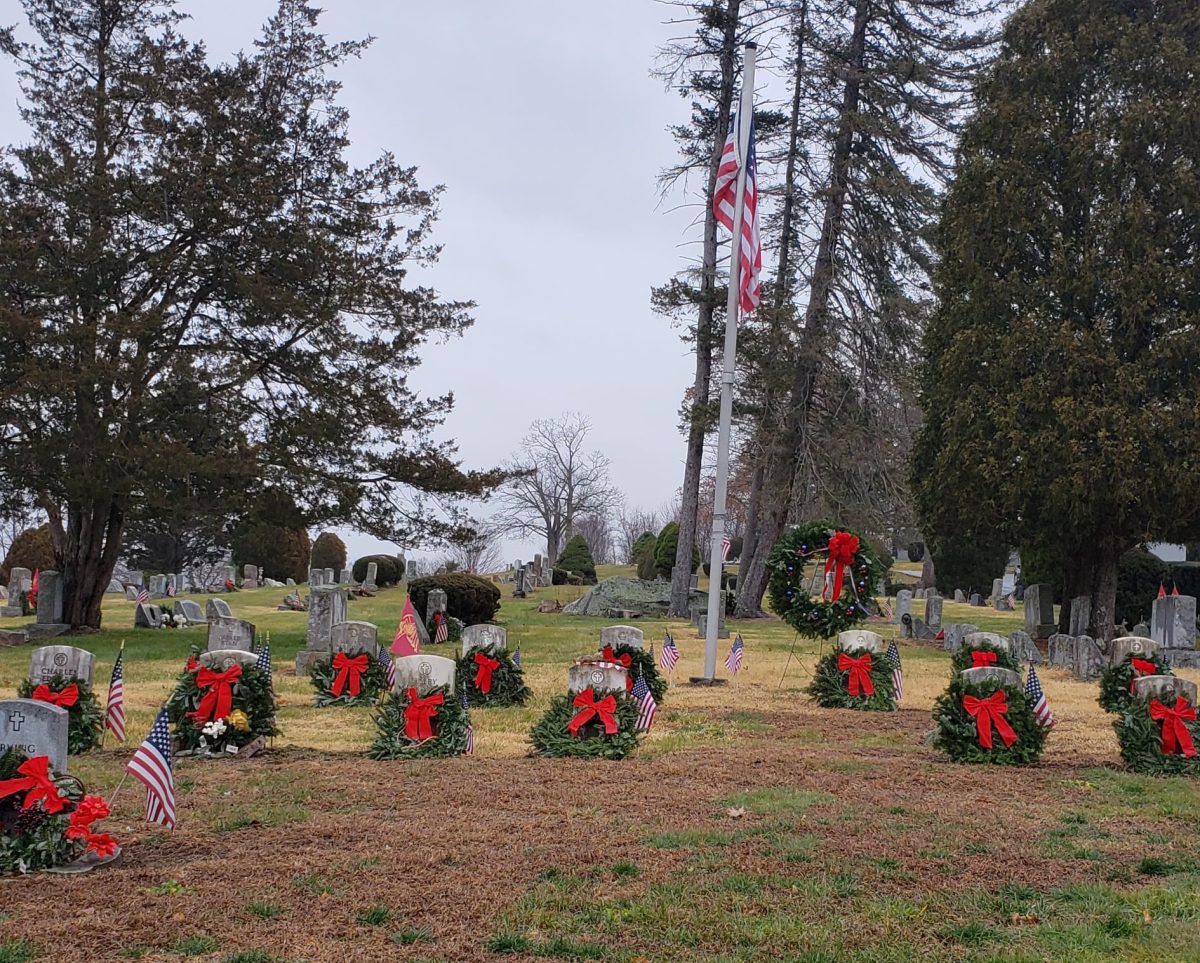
(576, 558)
(469, 598)
(387, 570)
(645, 558)
(667, 546)
(638, 548)
(916, 551)
(32, 549)
(328, 551)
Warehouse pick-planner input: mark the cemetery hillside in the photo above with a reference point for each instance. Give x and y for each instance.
(710, 481)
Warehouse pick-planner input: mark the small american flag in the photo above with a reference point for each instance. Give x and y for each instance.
(466, 704)
(170, 590)
(114, 712)
(669, 654)
(724, 201)
(386, 661)
(151, 766)
(733, 661)
(263, 663)
(442, 630)
(646, 704)
(893, 656)
(517, 656)
(726, 544)
(1037, 700)
(142, 596)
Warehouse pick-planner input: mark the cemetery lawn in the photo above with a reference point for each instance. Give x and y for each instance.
(751, 826)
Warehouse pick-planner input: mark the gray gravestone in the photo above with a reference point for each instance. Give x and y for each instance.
(222, 659)
(174, 585)
(520, 586)
(158, 586)
(249, 576)
(50, 599)
(230, 634)
(217, 609)
(959, 595)
(354, 637)
(1089, 659)
(976, 600)
(424, 673)
(997, 591)
(615, 635)
(1021, 647)
(1081, 614)
(434, 602)
(484, 636)
(372, 575)
(330, 577)
(35, 728)
(991, 673)
(20, 580)
(326, 608)
(1137, 646)
(933, 612)
(1164, 688)
(115, 587)
(345, 577)
(903, 605)
(147, 616)
(856, 639)
(291, 582)
(1142, 630)
(66, 660)
(973, 640)
(1039, 610)
(190, 610)
(316, 577)
(131, 593)
(1004, 604)
(955, 633)
(1172, 621)
(1062, 651)
(600, 677)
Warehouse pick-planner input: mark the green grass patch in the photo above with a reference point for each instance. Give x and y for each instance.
(314, 884)
(689, 839)
(411, 935)
(375, 916)
(509, 943)
(625, 870)
(266, 911)
(196, 946)
(778, 800)
(17, 951)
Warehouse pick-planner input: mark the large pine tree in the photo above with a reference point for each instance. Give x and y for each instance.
(1061, 390)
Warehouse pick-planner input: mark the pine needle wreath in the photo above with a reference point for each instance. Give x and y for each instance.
(1114, 683)
(85, 719)
(508, 681)
(958, 737)
(641, 661)
(251, 694)
(962, 658)
(830, 686)
(1140, 738)
(550, 736)
(373, 683)
(449, 729)
(811, 615)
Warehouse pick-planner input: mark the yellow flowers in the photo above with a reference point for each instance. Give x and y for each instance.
(239, 720)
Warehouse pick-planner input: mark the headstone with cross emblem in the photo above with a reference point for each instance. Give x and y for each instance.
(1165, 688)
(615, 635)
(484, 636)
(222, 659)
(424, 673)
(64, 660)
(34, 729)
(992, 674)
(596, 675)
(1120, 649)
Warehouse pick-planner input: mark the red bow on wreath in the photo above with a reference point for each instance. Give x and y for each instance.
(987, 713)
(64, 699)
(860, 673)
(842, 548)
(37, 783)
(1140, 667)
(217, 702)
(588, 707)
(483, 675)
(624, 659)
(350, 671)
(1175, 735)
(981, 660)
(419, 714)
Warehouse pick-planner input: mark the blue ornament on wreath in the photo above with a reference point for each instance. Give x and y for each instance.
(831, 596)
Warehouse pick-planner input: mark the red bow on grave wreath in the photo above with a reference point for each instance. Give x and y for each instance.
(35, 780)
(1175, 735)
(987, 713)
(842, 548)
(419, 714)
(860, 673)
(1140, 667)
(981, 660)
(624, 659)
(483, 675)
(349, 670)
(588, 707)
(63, 699)
(217, 702)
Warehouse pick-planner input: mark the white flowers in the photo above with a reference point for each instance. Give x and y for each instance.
(214, 730)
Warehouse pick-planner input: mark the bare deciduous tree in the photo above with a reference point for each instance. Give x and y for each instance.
(597, 532)
(632, 523)
(555, 483)
(479, 553)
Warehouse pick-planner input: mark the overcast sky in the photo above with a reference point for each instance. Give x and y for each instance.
(541, 119)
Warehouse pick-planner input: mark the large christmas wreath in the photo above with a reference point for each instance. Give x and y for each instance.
(348, 680)
(834, 597)
(983, 655)
(636, 662)
(987, 722)
(85, 722)
(46, 818)
(1116, 684)
(489, 677)
(214, 709)
(859, 679)
(584, 725)
(412, 726)
(1160, 738)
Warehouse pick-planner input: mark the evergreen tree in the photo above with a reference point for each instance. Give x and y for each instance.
(328, 551)
(576, 558)
(1060, 392)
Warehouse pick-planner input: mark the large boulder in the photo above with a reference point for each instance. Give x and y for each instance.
(620, 597)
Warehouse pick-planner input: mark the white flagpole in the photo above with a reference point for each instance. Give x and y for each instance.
(745, 116)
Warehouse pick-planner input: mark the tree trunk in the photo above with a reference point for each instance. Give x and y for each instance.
(783, 454)
(1104, 592)
(700, 416)
(87, 550)
(750, 536)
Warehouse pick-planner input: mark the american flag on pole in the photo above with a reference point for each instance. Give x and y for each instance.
(466, 704)
(893, 656)
(142, 596)
(646, 704)
(114, 712)
(386, 661)
(151, 766)
(170, 590)
(669, 654)
(263, 663)
(724, 201)
(517, 656)
(441, 630)
(1037, 700)
(733, 661)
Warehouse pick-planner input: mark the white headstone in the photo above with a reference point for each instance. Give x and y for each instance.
(860, 639)
(1120, 649)
(189, 610)
(975, 639)
(221, 659)
(353, 637)
(35, 728)
(598, 676)
(147, 616)
(65, 660)
(615, 635)
(484, 636)
(217, 609)
(1164, 687)
(990, 673)
(424, 673)
(903, 605)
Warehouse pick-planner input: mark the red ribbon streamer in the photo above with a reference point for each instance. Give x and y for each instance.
(842, 548)
(1140, 667)
(63, 699)
(350, 671)
(588, 707)
(987, 713)
(419, 714)
(37, 784)
(624, 659)
(981, 660)
(483, 675)
(1175, 735)
(217, 702)
(860, 673)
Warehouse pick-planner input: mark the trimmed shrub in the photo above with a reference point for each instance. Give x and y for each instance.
(576, 558)
(666, 547)
(645, 559)
(32, 549)
(916, 551)
(387, 570)
(279, 552)
(328, 551)
(639, 547)
(469, 599)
